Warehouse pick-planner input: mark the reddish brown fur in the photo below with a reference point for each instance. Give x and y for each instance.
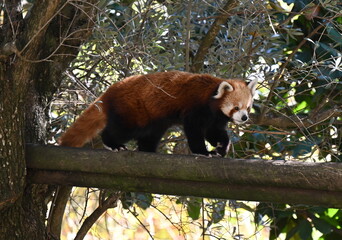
(144, 98)
(86, 127)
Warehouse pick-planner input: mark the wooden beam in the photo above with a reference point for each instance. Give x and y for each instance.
(317, 184)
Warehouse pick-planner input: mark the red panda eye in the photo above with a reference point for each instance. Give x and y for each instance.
(236, 108)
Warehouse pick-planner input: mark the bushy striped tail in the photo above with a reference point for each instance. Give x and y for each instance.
(92, 121)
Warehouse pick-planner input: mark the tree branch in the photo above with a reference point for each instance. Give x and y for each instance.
(110, 202)
(57, 209)
(187, 36)
(12, 21)
(284, 65)
(295, 121)
(37, 24)
(209, 38)
(258, 180)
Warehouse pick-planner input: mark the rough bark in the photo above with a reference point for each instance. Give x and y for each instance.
(258, 180)
(34, 51)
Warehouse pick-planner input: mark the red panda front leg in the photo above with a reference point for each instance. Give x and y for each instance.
(195, 135)
(218, 138)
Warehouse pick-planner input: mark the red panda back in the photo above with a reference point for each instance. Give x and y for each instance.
(144, 98)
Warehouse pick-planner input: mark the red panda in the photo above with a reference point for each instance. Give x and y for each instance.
(143, 107)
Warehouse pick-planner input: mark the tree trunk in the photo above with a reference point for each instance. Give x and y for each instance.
(12, 144)
(33, 54)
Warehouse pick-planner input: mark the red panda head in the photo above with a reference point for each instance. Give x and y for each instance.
(236, 99)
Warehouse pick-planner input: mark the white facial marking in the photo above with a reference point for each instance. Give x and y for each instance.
(240, 116)
(227, 108)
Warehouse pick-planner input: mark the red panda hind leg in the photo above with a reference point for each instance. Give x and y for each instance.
(149, 141)
(111, 141)
(116, 133)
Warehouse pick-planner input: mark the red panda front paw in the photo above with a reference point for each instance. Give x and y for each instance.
(202, 155)
(221, 151)
(121, 148)
(215, 154)
(211, 154)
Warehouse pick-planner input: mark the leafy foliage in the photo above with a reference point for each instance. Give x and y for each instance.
(292, 47)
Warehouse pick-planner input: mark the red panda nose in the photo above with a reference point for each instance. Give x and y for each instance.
(244, 118)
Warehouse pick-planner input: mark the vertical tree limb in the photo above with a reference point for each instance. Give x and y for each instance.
(57, 209)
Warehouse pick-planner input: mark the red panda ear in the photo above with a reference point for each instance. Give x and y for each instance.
(252, 86)
(224, 86)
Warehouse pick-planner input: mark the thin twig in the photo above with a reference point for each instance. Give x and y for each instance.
(209, 38)
(110, 202)
(282, 68)
(266, 132)
(141, 223)
(187, 37)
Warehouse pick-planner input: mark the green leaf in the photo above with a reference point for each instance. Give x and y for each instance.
(332, 216)
(277, 227)
(127, 200)
(339, 20)
(194, 208)
(300, 107)
(144, 200)
(304, 229)
(302, 148)
(326, 50)
(218, 211)
(334, 34)
(322, 225)
(331, 212)
(290, 235)
(261, 210)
